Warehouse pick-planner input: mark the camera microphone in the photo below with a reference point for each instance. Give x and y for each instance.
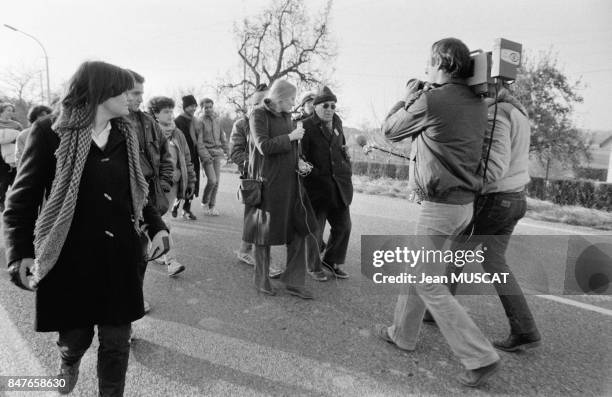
(361, 140)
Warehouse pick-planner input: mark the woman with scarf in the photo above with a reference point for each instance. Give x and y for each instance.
(83, 254)
(284, 216)
(183, 175)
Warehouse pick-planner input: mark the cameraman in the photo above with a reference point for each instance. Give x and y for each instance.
(446, 123)
(499, 208)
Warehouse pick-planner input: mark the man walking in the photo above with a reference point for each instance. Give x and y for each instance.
(155, 160)
(329, 185)
(185, 123)
(446, 123)
(215, 146)
(499, 208)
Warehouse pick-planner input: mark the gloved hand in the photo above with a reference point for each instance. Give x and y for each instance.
(166, 187)
(159, 245)
(19, 272)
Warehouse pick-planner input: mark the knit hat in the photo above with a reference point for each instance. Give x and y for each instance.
(189, 100)
(324, 94)
(309, 96)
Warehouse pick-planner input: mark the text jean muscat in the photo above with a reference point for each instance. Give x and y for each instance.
(425, 261)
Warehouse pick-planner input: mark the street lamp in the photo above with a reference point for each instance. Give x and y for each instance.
(46, 57)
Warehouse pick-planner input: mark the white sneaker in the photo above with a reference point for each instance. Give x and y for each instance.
(147, 307)
(212, 212)
(174, 268)
(276, 270)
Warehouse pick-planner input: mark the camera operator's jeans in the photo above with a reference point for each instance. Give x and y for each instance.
(465, 339)
(496, 216)
(113, 354)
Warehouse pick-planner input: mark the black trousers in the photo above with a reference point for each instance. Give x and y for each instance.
(339, 220)
(495, 217)
(113, 354)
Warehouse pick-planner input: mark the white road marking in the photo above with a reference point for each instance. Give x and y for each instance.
(292, 370)
(566, 229)
(16, 357)
(581, 305)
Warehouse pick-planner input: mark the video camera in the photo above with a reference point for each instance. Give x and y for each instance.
(501, 63)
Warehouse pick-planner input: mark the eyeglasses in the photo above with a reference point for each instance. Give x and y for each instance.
(328, 105)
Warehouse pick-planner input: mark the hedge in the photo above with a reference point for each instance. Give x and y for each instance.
(585, 193)
(590, 173)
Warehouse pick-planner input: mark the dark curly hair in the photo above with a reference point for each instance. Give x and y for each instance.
(453, 56)
(158, 103)
(36, 111)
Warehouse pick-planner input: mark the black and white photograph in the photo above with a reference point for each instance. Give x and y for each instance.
(306, 198)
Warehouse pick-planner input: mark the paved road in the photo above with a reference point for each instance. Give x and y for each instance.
(210, 333)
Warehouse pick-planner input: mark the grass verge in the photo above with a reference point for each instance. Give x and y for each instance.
(536, 209)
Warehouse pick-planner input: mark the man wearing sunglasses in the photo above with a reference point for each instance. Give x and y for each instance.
(329, 185)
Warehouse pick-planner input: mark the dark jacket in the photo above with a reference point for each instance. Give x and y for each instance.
(96, 278)
(329, 184)
(447, 125)
(239, 150)
(285, 209)
(154, 156)
(185, 124)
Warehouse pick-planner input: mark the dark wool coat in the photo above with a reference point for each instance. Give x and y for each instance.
(97, 278)
(285, 209)
(184, 123)
(239, 153)
(329, 184)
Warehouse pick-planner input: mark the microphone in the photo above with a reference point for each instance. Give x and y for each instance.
(363, 142)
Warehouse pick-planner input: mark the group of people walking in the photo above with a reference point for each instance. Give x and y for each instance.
(99, 150)
(271, 147)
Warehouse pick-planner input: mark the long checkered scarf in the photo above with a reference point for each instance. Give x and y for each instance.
(74, 128)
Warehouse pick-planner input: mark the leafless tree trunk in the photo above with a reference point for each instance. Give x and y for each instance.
(281, 42)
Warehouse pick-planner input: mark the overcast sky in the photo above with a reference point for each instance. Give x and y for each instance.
(381, 44)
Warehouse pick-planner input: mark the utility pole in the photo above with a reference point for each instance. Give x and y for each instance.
(244, 79)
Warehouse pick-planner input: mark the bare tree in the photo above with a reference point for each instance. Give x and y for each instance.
(550, 97)
(19, 83)
(282, 42)
(18, 86)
